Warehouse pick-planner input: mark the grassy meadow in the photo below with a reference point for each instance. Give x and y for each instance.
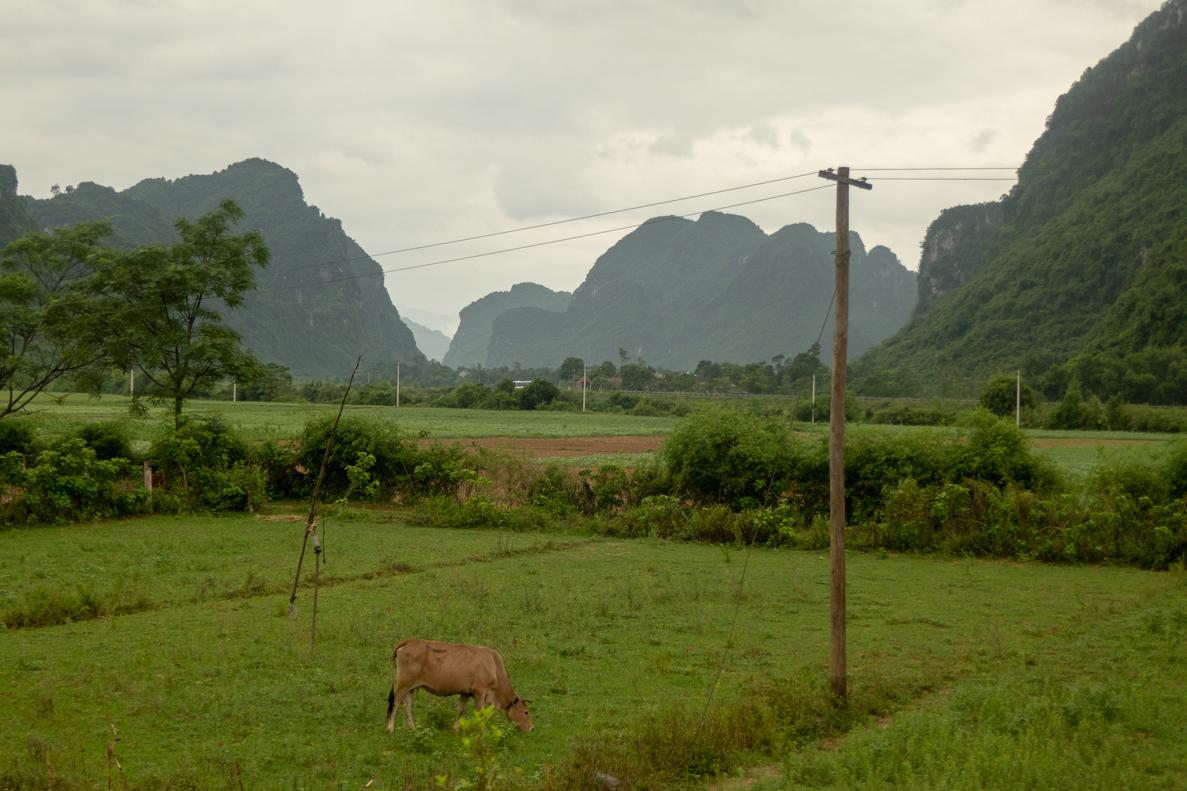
(1077, 674)
(157, 652)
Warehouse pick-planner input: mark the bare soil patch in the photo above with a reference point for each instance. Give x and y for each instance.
(1066, 442)
(550, 447)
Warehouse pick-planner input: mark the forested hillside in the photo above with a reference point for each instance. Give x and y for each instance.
(317, 306)
(1080, 273)
(15, 220)
(675, 292)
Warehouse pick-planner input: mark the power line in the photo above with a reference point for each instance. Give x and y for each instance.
(549, 224)
(595, 215)
(592, 216)
(939, 178)
(532, 245)
(1013, 167)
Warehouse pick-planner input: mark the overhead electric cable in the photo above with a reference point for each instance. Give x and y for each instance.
(545, 243)
(1013, 167)
(939, 178)
(549, 224)
(593, 216)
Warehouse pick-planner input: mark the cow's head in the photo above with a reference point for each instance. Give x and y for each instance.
(517, 712)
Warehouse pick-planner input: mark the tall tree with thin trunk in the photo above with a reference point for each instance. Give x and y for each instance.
(164, 304)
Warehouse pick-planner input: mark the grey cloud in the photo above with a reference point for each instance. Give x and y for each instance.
(764, 134)
(981, 141)
(673, 146)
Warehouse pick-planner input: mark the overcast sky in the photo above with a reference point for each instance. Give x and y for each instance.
(419, 122)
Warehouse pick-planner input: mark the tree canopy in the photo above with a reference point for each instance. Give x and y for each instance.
(48, 326)
(164, 304)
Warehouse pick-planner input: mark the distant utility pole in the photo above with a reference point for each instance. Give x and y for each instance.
(397, 384)
(836, 437)
(813, 399)
(584, 382)
(1018, 401)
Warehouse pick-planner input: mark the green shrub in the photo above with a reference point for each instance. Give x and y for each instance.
(17, 436)
(438, 470)
(537, 393)
(396, 458)
(556, 491)
(276, 463)
(729, 457)
(997, 452)
(1001, 395)
(108, 440)
(206, 465)
(1175, 470)
(874, 462)
(910, 415)
(69, 483)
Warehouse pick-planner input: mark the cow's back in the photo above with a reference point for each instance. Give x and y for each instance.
(447, 668)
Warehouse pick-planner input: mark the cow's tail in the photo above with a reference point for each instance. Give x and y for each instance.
(391, 695)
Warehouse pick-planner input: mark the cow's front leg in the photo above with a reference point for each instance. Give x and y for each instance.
(461, 707)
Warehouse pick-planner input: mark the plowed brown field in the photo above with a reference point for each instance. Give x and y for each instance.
(551, 447)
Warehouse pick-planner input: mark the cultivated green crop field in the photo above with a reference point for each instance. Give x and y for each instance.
(285, 421)
(1007, 675)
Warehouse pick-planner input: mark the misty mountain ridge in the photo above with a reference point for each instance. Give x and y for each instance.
(1080, 272)
(433, 343)
(470, 344)
(676, 291)
(317, 306)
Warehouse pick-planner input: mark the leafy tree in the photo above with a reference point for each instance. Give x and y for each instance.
(637, 375)
(571, 368)
(1001, 393)
(48, 328)
(266, 382)
(538, 393)
(162, 302)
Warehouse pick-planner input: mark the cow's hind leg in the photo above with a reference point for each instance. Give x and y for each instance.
(403, 697)
(391, 710)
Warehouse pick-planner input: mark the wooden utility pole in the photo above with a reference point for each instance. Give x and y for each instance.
(836, 436)
(397, 384)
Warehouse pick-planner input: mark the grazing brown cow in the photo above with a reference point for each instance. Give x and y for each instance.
(471, 671)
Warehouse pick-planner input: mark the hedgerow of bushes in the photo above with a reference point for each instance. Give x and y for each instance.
(722, 476)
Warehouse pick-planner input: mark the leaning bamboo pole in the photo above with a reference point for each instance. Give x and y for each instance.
(311, 522)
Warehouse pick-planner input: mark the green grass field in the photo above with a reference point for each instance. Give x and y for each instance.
(1000, 674)
(256, 420)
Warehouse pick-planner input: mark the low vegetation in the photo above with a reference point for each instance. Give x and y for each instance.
(722, 476)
